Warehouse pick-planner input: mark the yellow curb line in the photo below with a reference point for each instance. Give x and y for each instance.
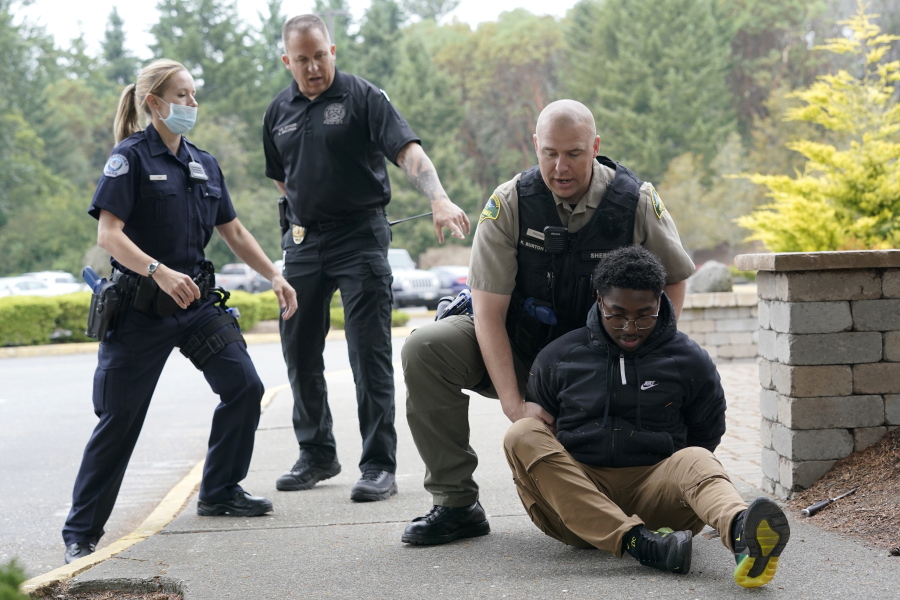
(161, 516)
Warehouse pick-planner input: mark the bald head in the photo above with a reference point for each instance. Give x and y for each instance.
(566, 143)
(566, 113)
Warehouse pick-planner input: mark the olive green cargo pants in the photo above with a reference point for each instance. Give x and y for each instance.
(440, 360)
(585, 506)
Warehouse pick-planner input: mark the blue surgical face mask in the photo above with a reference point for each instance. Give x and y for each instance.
(181, 118)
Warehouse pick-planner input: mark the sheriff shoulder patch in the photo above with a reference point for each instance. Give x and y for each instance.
(115, 166)
(491, 209)
(658, 207)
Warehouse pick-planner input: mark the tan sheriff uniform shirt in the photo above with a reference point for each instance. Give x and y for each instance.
(492, 267)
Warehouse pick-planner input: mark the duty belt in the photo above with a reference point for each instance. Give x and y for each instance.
(328, 225)
(147, 297)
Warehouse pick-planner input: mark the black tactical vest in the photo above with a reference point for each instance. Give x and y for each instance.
(562, 281)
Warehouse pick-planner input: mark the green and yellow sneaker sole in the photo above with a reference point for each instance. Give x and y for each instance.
(765, 534)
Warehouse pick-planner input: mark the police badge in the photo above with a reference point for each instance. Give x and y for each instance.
(298, 233)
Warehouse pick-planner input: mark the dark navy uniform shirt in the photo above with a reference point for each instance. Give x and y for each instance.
(330, 152)
(166, 215)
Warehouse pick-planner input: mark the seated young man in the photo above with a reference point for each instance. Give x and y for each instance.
(628, 465)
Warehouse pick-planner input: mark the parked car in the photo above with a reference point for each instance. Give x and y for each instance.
(61, 282)
(24, 286)
(412, 286)
(240, 277)
(452, 277)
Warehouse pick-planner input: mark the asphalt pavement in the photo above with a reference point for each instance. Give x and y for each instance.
(319, 544)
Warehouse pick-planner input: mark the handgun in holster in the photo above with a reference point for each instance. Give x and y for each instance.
(106, 305)
(283, 221)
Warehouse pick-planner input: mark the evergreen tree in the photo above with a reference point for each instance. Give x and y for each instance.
(505, 72)
(379, 43)
(432, 107)
(215, 46)
(121, 67)
(659, 87)
(30, 61)
(848, 195)
(337, 17)
(12, 576)
(769, 50)
(29, 65)
(432, 10)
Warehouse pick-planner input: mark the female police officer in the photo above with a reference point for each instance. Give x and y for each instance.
(157, 203)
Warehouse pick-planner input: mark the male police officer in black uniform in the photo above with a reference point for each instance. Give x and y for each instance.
(326, 137)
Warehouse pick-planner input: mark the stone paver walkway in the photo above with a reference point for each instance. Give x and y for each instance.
(741, 448)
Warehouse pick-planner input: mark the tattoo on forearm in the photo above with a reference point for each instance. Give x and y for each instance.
(422, 174)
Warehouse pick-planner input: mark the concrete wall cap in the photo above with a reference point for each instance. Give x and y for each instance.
(818, 261)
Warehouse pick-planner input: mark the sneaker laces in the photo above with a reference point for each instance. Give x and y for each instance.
(648, 546)
(653, 547)
(371, 474)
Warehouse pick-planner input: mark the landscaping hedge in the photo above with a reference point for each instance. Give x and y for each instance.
(31, 320)
(73, 318)
(27, 320)
(249, 305)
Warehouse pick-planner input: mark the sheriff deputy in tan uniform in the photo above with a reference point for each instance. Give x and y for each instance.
(538, 240)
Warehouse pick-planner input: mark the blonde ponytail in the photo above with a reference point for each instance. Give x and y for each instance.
(126, 122)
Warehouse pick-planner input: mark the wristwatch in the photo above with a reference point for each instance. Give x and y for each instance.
(152, 269)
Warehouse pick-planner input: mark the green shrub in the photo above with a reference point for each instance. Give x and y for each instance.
(748, 275)
(74, 315)
(27, 320)
(249, 305)
(398, 319)
(268, 306)
(11, 577)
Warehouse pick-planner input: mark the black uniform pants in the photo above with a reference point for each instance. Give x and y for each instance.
(128, 368)
(353, 258)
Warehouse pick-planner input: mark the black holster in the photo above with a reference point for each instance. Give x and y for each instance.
(209, 340)
(106, 306)
(283, 220)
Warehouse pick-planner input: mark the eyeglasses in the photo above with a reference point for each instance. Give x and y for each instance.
(620, 322)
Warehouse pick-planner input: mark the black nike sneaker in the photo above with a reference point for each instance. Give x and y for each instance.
(663, 549)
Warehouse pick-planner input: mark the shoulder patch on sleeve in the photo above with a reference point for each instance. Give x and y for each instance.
(384, 93)
(491, 209)
(115, 166)
(658, 207)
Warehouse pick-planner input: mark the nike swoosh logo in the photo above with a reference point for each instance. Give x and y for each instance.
(648, 384)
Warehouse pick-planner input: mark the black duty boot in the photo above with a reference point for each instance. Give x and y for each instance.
(662, 549)
(760, 534)
(241, 504)
(78, 550)
(444, 524)
(305, 474)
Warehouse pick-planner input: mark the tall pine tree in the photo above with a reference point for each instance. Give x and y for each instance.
(659, 86)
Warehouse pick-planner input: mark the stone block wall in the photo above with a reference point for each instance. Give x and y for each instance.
(829, 346)
(725, 324)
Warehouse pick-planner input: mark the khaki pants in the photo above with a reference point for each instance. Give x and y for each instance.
(586, 506)
(440, 360)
